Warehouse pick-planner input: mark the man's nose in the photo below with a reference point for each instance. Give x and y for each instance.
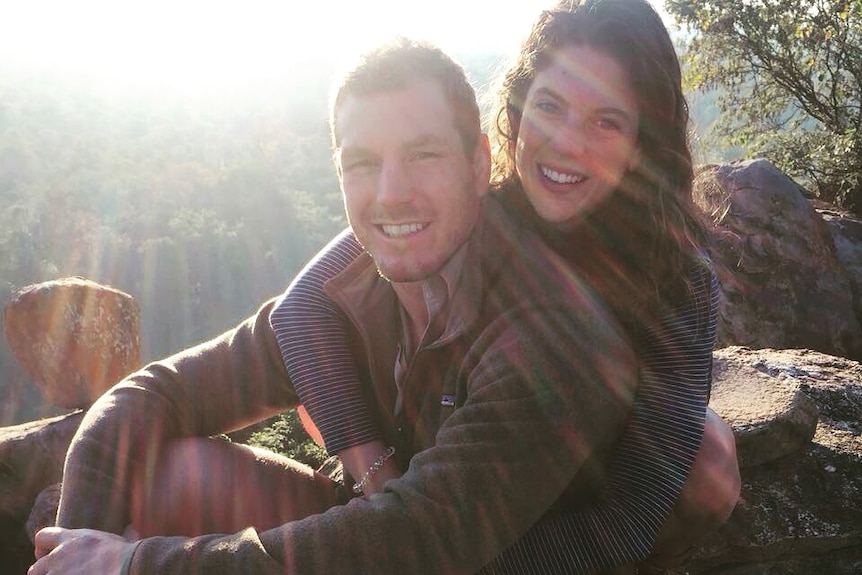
(394, 184)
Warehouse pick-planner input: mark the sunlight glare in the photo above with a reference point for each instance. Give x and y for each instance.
(207, 44)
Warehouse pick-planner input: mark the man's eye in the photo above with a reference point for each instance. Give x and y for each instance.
(361, 164)
(424, 155)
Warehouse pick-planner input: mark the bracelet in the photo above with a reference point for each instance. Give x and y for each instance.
(375, 467)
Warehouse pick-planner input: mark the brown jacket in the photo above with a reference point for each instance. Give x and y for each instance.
(541, 381)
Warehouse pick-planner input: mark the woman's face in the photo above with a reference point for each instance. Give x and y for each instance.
(577, 135)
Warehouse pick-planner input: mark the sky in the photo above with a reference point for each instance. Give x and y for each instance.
(202, 42)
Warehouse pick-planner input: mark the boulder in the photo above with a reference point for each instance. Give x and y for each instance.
(765, 404)
(34, 453)
(800, 513)
(74, 337)
(44, 512)
(782, 283)
(847, 236)
(31, 459)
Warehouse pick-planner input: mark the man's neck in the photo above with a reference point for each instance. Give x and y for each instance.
(412, 299)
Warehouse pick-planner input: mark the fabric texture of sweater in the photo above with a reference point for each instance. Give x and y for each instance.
(647, 471)
(525, 423)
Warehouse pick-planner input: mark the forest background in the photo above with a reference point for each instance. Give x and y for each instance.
(200, 209)
(202, 203)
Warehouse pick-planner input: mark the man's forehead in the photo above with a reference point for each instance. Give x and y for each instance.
(416, 114)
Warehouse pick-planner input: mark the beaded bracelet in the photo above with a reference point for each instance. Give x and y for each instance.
(374, 468)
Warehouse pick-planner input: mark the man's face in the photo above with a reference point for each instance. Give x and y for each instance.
(411, 190)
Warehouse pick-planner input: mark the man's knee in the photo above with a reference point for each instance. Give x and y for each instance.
(201, 485)
(163, 492)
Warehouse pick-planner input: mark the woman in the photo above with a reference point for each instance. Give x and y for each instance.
(591, 150)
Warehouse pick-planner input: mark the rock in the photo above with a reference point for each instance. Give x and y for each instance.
(44, 512)
(33, 453)
(765, 404)
(782, 284)
(847, 236)
(75, 337)
(31, 459)
(16, 550)
(801, 513)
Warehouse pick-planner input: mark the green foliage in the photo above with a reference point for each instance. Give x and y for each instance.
(287, 436)
(199, 210)
(790, 72)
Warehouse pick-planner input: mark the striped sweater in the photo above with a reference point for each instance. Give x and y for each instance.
(650, 464)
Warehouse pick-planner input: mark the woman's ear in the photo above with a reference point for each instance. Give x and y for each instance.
(513, 115)
(635, 160)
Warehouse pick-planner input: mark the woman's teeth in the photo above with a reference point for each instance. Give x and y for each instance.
(561, 178)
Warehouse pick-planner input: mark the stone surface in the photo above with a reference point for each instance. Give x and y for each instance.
(765, 404)
(847, 235)
(74, 337)
(44, 512)
(799, 514)
(31, 459)
(781, 281)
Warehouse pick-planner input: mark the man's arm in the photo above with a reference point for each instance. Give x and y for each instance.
(219, 386)
(544, 390)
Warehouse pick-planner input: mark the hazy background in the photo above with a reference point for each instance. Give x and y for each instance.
(178, 150)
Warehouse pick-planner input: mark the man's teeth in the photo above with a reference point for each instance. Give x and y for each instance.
(401, 229)
(562, 178)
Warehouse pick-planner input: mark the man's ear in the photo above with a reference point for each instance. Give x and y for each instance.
(336, 162)
(482, 165)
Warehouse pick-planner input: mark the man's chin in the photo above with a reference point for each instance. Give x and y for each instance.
(404, 274)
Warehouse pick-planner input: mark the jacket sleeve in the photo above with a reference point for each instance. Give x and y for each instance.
(196, 392)
(312, 334)
(530, 419)
(653, 459)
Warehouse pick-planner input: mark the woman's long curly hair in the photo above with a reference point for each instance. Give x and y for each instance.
(643, 239)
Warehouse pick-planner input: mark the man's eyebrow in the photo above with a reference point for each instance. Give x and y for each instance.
(351, 151)
(425, 140)
(417, 142)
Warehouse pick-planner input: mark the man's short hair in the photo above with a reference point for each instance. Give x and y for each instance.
(397, 63)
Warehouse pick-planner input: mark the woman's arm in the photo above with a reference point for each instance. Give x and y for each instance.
(312, 334)
(652, 460)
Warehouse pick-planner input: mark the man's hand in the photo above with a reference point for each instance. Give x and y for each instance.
(79, 552)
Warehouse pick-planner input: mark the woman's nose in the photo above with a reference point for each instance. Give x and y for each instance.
(570, 136)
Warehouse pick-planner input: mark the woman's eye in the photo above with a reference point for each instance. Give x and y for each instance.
(547, 106)
(610, 124)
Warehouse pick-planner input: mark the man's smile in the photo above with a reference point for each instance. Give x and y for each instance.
(402, 230)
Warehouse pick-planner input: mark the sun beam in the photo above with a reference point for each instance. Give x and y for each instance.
(202, 45)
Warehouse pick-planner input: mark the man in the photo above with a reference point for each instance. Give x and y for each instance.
(492, 415)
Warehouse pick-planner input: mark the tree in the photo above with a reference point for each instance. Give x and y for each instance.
(791, 75)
